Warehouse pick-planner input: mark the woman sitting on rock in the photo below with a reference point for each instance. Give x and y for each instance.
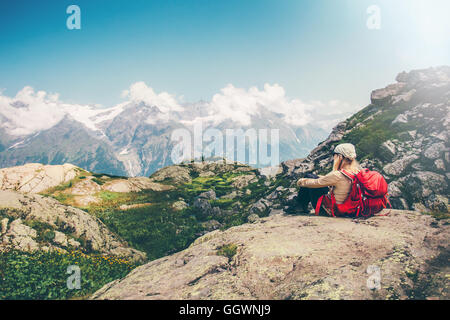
(312, 187)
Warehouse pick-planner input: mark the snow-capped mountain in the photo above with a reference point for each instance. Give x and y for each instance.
(134, 137)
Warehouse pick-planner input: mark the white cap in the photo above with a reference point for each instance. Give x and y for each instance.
(347, 150)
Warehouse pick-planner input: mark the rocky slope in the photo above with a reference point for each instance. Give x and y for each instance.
(403, 134)
(67, 180)
(33, 222)
(301, 257)
(66, 142)
(185, 200)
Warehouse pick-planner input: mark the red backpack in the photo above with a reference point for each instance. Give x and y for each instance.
(367, 197)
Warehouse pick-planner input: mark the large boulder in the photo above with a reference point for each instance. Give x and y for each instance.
(400, 256)
(173, 174)
(398, 167)
(36, 177)
(243, 181)
(384, 95)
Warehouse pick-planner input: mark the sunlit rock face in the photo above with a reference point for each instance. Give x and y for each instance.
(295, 257)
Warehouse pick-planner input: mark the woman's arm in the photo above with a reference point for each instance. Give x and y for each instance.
(328, 180)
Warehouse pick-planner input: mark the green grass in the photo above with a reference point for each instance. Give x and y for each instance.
(228, 250)
(43, 275)
(99, 181)
(45, 232)
(57, 190)
(159, 230)
(438, 215)
(109, 195)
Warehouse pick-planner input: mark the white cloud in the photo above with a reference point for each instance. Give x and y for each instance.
(166, 103)
(139, 91)
(31, 111)
(239, 105)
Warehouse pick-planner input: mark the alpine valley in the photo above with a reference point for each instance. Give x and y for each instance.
(223, 229)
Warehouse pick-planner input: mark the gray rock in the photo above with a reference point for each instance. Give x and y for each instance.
(216, 212)
(32, 207)
(397, 167)
(230, 195)
(211, 225)
(439, 164)
(394, 188)
(20, 236)
(275, 212)
(74, 243)
(260, 206)
(401, 118)
(253, 218)
(384, 95)
(210, 195)
(4, 225)
(283, 258)
(437, 203)
(405, 97)
(203, 206)
(36, 177)
(176, 174)
(60, 238)
(271, 172)
(179, 205)
(422, 184)
(433, 152)
(388, 149)
(243, 181)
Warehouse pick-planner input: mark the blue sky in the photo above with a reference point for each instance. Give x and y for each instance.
(315, 50)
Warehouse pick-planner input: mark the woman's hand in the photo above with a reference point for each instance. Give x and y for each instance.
(301, 181)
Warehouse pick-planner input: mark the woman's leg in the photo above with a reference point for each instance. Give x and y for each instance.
(315, 194)
(303, 198)
(310, 195)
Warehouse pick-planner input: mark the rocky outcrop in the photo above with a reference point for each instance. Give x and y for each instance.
(183, 173)
(172, 174)
(34, 222)
(134, 185)
(302, 257)
(36, 177)
(403, 134)
(82, 186)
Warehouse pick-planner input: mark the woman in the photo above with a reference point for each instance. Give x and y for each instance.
(312, 187)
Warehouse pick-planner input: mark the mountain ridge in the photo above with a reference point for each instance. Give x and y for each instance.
(133, 138)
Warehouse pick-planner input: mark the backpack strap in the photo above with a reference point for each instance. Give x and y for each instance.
(348, 174)
(333, 203)
(389, 203)
(353, 178)
(319, 204)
